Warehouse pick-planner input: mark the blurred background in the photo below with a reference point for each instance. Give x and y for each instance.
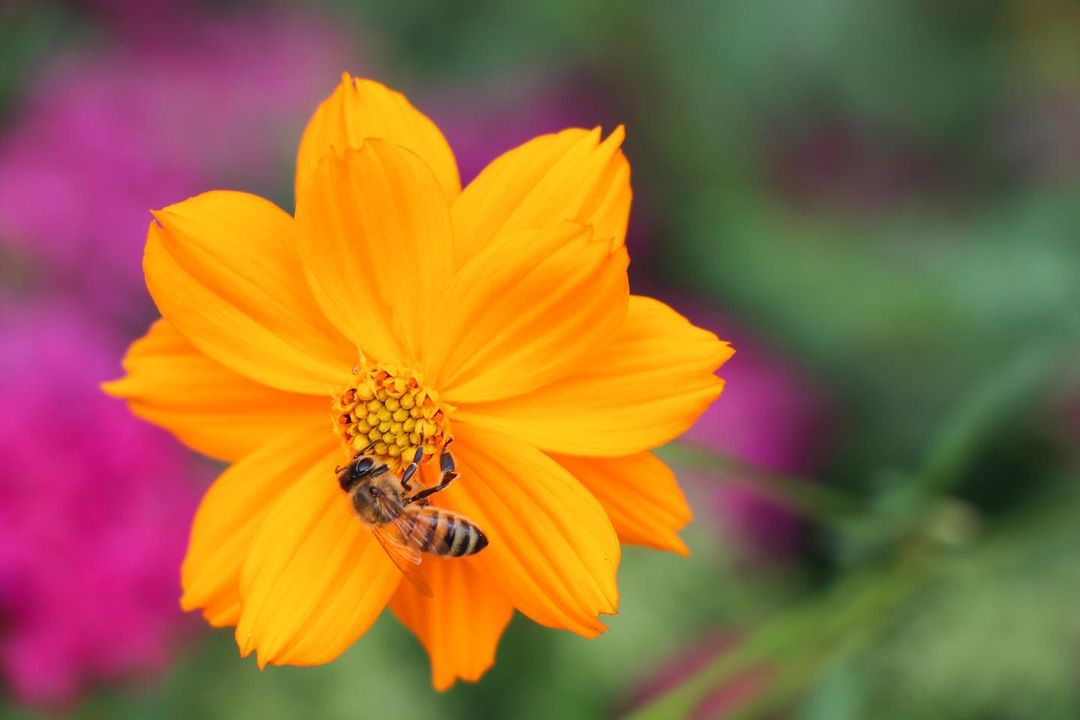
(876, 201)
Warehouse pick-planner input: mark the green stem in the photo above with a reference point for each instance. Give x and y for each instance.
(994, 398)
(804, 495)
(795, 645)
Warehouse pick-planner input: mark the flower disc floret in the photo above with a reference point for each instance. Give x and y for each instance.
(391, 407)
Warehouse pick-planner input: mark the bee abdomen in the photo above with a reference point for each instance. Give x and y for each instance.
(451, 535)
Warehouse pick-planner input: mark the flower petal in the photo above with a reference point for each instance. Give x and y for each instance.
(552, 550)
(231, 512)
(648, 386)
(639, 494)
(223, 269)
(526, 310)
(461, 625)
(570, 175)
(360, 109)
(209, 407)
(377, 247)
(315, 578)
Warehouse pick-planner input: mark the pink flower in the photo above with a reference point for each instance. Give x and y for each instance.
(727, 698)
(772, 418)
(839, 165)
(94, 511)
(106, 133)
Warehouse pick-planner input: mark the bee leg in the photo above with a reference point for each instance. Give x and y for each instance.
(446, 460)
(419, 497)
(411, 470)
(446, 464)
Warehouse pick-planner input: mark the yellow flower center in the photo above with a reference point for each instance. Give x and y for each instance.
(390, 406)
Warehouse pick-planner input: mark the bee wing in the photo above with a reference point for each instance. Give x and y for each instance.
(405, 557)
(406, 529)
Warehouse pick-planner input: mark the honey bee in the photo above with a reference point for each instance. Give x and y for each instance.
(402, 521)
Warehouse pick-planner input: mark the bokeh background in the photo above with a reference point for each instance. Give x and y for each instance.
(877, 201)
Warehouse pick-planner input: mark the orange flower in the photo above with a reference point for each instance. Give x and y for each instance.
(398, 307)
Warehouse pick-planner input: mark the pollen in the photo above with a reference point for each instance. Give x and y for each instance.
(390, 407)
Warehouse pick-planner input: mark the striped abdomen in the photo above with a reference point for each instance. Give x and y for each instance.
(445, 533)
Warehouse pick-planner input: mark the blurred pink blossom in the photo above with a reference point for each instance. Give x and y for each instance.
(727, 698)
(771, 416)
(106, 133)
(1038, 134)
(135, 15)
(1065, 411)
(837, 164)
(95, 507)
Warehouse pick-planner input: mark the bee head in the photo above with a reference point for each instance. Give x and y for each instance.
(363, 466)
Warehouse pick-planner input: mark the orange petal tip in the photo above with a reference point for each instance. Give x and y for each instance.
(112, 387)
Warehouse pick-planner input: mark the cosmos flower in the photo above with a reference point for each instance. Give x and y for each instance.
(94, 512)
(398, 307)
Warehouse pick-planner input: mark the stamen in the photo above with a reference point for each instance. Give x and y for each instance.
(391, 407)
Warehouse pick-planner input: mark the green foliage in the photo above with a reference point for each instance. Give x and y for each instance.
(998, 635)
